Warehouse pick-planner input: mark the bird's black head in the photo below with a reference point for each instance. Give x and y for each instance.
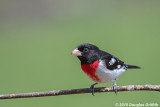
(87, 53)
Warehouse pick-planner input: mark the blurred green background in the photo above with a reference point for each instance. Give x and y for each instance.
(37, 37)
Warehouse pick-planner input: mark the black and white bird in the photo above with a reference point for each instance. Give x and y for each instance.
(100, 66)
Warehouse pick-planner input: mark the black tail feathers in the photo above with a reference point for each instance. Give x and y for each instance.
(132, 67)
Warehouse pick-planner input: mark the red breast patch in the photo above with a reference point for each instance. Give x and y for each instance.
(90, 70)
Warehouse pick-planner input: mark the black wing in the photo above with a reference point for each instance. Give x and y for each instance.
(111, 61)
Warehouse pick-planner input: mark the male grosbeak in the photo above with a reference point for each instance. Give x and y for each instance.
(100, 66)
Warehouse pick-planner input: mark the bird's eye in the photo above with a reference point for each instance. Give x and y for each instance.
(85, 49)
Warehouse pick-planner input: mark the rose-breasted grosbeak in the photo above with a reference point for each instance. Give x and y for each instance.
(99, 65)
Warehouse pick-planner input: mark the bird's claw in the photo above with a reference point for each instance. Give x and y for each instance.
(114, 87)
(92, 89)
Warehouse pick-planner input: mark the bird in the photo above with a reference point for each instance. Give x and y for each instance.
(100, 66)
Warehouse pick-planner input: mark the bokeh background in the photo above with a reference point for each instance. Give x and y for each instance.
(37, 37)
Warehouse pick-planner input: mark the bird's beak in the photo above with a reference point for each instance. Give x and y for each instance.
(76, 52)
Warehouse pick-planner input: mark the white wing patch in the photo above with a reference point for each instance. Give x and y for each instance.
(112, 61)
(118, 66)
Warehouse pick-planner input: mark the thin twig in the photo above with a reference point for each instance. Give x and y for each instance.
(80, 91)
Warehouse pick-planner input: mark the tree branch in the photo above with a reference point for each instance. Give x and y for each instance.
(80, 91)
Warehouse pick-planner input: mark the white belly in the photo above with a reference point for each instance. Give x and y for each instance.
(107, 75)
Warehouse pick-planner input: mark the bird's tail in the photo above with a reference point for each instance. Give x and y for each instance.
(132, 67)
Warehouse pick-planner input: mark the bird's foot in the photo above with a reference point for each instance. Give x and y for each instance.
(114, 88)
(92, 88)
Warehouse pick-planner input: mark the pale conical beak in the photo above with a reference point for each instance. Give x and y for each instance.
(76, 52)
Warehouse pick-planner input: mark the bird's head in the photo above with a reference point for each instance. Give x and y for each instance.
(87, 53)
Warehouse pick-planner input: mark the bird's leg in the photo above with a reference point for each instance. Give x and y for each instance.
(92, 88)
(114, 87)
